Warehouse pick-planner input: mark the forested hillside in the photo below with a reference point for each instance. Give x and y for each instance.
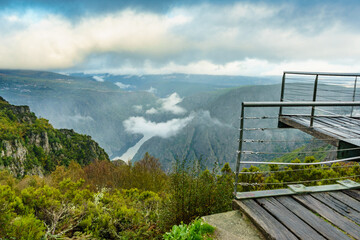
(30, 145)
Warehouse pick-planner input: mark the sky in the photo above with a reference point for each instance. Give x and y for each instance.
(254, 38)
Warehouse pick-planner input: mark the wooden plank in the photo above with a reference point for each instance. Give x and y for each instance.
(295, 124)
(332, 132)
(265, 222)
(337, 128)
(323, 127)
(323, 227)
(338, 206)
(289, 219)
(336, 123)
(264, 193)
(351, 121)
(353, 193)
(348, 123)
(329, 214)
(340, 132)
(351, 202)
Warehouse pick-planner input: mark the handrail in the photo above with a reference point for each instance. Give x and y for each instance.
(279, 104)
(318, 78)
(299, 104)
(324, 74)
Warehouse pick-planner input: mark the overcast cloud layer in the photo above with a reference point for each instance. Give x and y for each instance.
(231, 38)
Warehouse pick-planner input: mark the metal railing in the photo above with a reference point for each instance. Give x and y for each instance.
(319, 86)
(281, 105)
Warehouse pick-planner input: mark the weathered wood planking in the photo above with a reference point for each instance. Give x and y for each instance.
(323, 227)
(334, 129)
(326, 212)
(294, 123)
(353, 193)
(338, 206)
(301, 229)
(265, 222)
(351, 202)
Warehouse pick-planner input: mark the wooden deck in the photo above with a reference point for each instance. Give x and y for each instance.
(324, 215)
(341, 132)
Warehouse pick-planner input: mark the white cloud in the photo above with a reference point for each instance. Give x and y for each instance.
(51, 41)
(169, 104)
(151, 111)
(139, 125)
(123, 86)
(152, 90)
(231, 39)
(99, 78)
(138, 108)
(78, 118)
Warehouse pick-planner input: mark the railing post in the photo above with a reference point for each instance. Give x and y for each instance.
(353, 98)
(239, 149)
(314, 99)
(282, 92)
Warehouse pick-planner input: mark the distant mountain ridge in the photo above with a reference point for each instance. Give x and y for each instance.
(30, 145)
(99, 107)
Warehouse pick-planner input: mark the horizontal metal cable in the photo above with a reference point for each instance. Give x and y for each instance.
(337, 98)
(263, 117)
(300, 141)
(337, 150)
(334, 114)
(306, 127)
(300, 104)
(297, 182)
(297, 79)
(298, 91)
(302, 164)
(297, 98)
(296, 170)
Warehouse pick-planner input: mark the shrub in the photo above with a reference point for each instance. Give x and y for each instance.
(194, 192)
(197, 230)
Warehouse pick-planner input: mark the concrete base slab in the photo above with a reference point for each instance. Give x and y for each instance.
(233, 225)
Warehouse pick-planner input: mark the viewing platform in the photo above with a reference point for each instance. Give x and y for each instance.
(325, 106)
(319, 215)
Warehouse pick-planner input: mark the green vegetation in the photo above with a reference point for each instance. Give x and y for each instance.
(309, 175)
(197, 230)
(82, 195)
(28, 143)
(104, 200)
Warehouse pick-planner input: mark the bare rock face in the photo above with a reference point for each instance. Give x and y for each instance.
(14, 149)
(18, 153)
(40, 140)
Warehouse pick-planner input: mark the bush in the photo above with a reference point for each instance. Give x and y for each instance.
(194, 192)
(26, 228)
(197, 230)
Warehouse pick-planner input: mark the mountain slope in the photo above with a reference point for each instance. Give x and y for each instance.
(213, 133)
(30, 145)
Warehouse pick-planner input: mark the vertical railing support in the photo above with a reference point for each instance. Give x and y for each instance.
(353, 97)
(314, 99)
(239, 149)
(282, 92)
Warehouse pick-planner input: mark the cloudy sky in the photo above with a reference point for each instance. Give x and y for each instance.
(201, 37)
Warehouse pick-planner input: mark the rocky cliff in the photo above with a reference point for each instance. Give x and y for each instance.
(30, 145)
